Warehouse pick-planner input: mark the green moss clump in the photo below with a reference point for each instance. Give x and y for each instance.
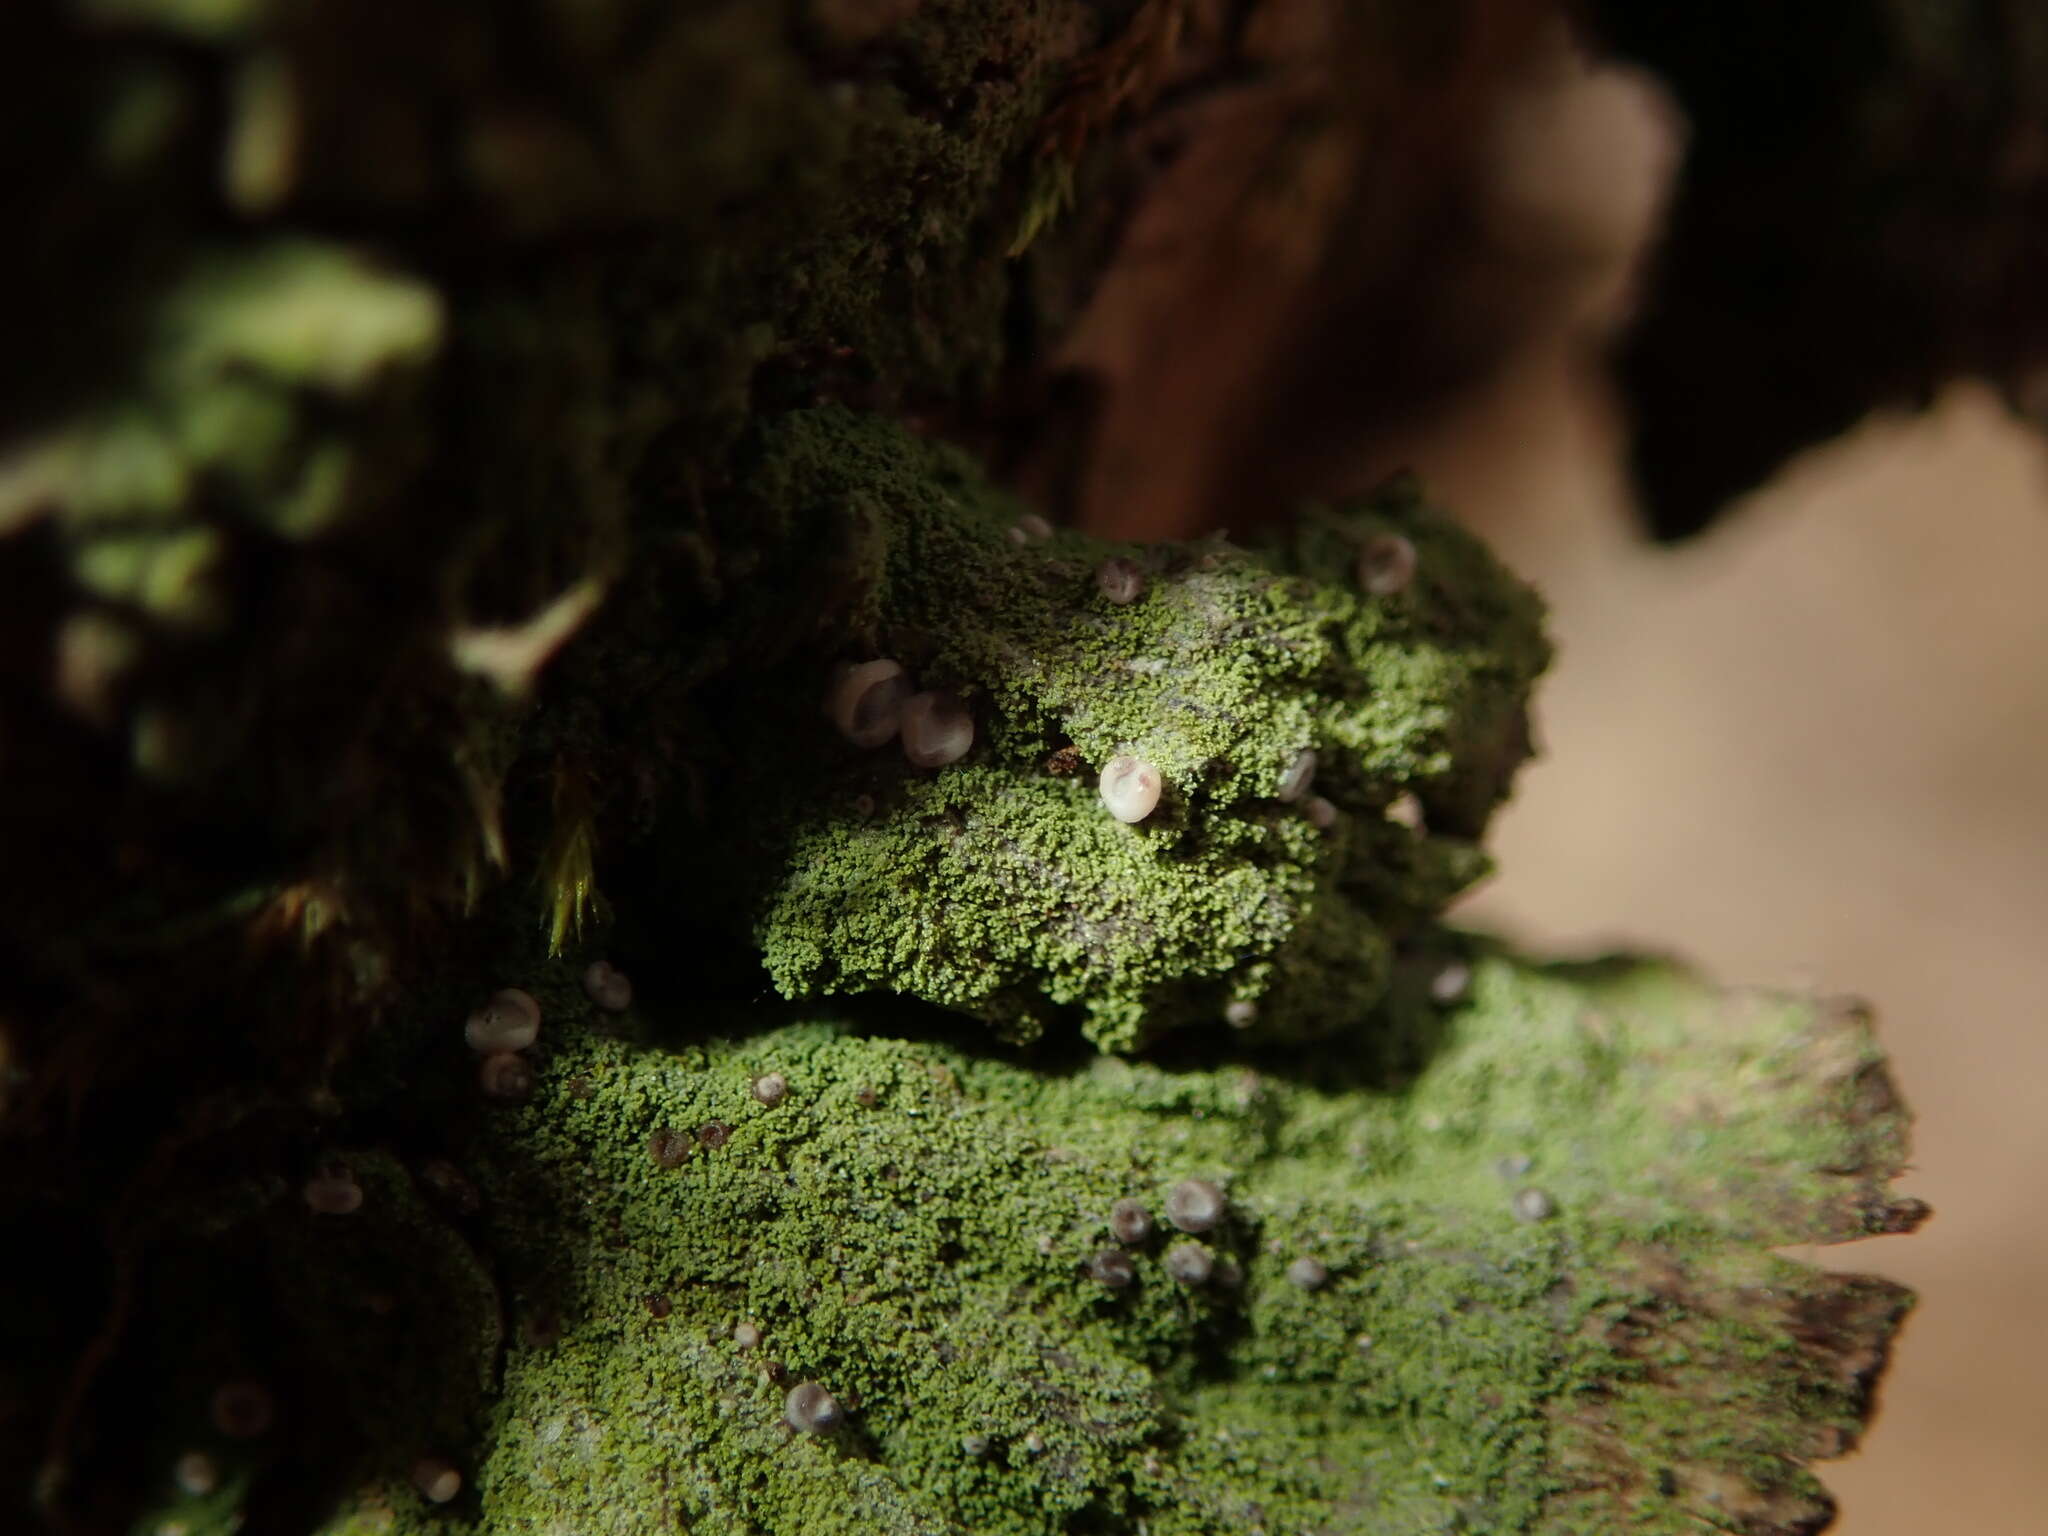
(1000, 885)
(911, 1227)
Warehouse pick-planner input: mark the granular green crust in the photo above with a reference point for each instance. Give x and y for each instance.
(911, 1225)
(1000, 885)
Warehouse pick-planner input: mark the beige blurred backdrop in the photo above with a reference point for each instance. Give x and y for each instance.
(1811, 750)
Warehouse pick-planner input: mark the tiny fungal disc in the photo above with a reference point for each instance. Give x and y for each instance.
(1194, 1205)
(506, 1077)
(866, 701)
(1130, 1221)
(333, 1191)
(1386, 565)
(810, 1408)
(1310, 1274)
(1130, 787)
(1120, 581)
(1533, 1205)
(436, 1480)
(1299, 774)
(770, 1087)
(1190, 1263)
(1113, 1268)
(196, 1474)
(1452, 983)
(608, 986)
(669, 1148)
(510, 1021)
(937, 730)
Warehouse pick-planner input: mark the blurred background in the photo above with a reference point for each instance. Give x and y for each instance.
(1807, 750)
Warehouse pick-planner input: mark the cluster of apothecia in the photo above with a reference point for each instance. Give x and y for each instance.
(874, 702)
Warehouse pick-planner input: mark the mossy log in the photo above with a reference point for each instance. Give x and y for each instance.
(448, 453)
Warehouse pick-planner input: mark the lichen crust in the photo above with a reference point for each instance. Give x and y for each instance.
(915, 1229)
(1004, 884)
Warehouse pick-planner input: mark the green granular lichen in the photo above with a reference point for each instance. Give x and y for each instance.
(911, 1226)
(1000, 885)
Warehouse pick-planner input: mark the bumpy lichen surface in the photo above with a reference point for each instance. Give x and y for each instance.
(911, 1226)
(1000, 885)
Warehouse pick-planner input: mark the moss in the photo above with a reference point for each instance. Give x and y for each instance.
(1000, 887)
(911, 1227)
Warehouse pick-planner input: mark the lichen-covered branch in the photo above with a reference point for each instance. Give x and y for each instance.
(1286, 702)
(605, 930)
(1488, 1261)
